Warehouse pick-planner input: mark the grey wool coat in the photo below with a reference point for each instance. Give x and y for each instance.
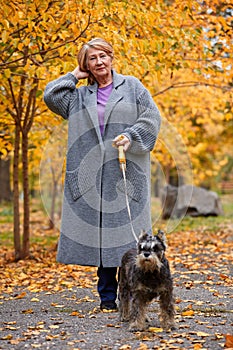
(95, 227)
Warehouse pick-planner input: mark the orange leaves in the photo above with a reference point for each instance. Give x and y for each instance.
(149, 30)
(28, 311)
(193, 47)
(155, 329)
(188, 313)
(229, 341)
(76, 313)
(199, 259)
(21, 295)
(44, 276)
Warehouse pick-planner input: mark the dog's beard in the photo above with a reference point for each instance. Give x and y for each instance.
(150, 263)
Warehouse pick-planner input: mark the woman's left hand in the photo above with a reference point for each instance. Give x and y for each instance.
(121, 140)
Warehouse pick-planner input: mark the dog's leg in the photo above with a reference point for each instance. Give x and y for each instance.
(124, 305)
(138, 314)
(167, 310)
(124, 296)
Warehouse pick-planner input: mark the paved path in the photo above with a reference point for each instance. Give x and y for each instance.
(72, 320)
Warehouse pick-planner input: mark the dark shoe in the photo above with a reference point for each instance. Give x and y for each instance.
(108, 305)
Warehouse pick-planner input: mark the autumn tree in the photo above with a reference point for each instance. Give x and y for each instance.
(197, 97)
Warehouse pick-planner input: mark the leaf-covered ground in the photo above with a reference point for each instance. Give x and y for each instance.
(47, 305)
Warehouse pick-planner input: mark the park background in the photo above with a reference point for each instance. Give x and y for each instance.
(180, 50)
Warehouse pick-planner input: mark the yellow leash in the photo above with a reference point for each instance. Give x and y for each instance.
(122, 161)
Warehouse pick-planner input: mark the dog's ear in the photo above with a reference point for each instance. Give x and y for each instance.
(143, 235)
(162, 237)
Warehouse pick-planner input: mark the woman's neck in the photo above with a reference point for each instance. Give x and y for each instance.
(105, 81)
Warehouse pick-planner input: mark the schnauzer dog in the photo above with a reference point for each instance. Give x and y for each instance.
(145, 275)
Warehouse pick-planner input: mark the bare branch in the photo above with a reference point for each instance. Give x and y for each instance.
(33, 108)
(15, 116)
(191, 84)
(30, 109)
(11, 113)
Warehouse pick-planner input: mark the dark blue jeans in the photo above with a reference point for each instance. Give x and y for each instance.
(107, 283)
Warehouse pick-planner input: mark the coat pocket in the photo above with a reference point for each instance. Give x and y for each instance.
(79, 182)
(135, 182)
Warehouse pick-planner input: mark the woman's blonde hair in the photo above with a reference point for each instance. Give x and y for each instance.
(96, 43)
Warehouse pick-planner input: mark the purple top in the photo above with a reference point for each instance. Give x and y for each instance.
(102, 98)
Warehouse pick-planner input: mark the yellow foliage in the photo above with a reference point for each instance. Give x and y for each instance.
(176, 57)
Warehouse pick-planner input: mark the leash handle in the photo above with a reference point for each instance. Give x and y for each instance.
(121, 157)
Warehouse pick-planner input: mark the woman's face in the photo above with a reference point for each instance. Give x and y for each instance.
(99, 63)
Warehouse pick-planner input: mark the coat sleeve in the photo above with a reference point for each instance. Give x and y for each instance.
(60, 93)
(144, 132)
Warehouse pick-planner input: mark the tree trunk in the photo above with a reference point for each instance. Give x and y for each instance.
(26, 207)
(5, 194)
(17, 243)
(26, 127)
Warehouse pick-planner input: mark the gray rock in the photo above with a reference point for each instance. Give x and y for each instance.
(189, 200)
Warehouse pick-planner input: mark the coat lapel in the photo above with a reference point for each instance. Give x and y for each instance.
(113, 100)
(115, 96)
(90, 102)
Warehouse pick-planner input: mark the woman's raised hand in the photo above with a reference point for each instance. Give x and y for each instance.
(80, 74)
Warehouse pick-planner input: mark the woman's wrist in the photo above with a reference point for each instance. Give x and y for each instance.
(74, 74)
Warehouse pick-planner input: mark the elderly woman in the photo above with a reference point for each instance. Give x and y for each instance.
(96, 229)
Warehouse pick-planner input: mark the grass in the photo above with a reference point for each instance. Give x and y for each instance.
(39, 233)
(43, 238)
(211, 222)
(6, 213)
(6, 238)
(46, 238)
(193, 223)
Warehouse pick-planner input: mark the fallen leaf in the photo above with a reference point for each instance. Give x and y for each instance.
(203, 334)
(155, 329)
(21, 295)
(16, 341)
(197, 346)
(7, 337)
(57, 305)
(229, 341)
(54, 326)
(11, 328)
(178, 300)
(35, 300)
(76, 313)
(219, 336)
(143, 347)
(51, 337)
(29, 311)
(187, 313)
